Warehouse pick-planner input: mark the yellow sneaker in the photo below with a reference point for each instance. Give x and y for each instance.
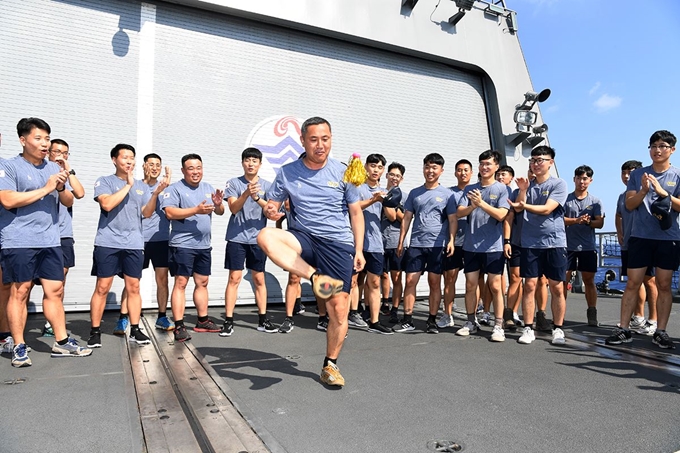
(325, 287)
(330, 375)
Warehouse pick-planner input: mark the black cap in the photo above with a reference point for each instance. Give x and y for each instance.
(392, 198)
(661, 209)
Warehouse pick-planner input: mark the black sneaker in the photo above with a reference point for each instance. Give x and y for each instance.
(591, 313)
(431, 327)
(542, 323)
(322, 324)
(404, 326)
(298, 309)
(181, 334)
(619, 336)
(95, 340)
(267, 326)
(286, 326)
(227, 329)
(379, 328)
(394, 316)
(662, 340)
(137, 336)
(385, 309)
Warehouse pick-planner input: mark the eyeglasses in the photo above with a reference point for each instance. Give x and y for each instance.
(486, 164)
(59, 153)
(659, 147)
(394, 175)
(538, 161)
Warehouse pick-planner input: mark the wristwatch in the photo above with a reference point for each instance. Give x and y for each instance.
(72, 172)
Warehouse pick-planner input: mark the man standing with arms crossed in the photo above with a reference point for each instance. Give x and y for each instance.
(326, 241)
(31, 189)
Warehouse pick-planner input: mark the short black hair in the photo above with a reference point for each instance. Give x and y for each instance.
(463, 162)
(251, 152)
(191, 156)
(507, 168)
(58, 141)
(26, 125)
(376, 159)
(152, 156)
(120, 146)
(543, 150)
(491, 154)
(631, 165)
(313, 121)
(663, 135)
(583, 170)
(434, 158)
(398, 166)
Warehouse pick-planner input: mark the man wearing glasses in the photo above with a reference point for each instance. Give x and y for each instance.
(390, 225)
(652, 195)
(544, 240)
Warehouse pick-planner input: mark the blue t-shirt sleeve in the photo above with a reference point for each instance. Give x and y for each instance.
(352, 194)
(559, 192)
(463, 200)
(7, 177)
(503, 198)
(408, 205)
(232, 189)
(170, 198)
(102, 187)
(598, 211)
(635, 180)
(277, 191)
(451, 205)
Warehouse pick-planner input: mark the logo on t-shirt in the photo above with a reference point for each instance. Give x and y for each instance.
(165, 195)
(439, 199)
(493, 196)
(139, 192)
(2, 173)
(670, 183)
(545, 192)
(333, 184)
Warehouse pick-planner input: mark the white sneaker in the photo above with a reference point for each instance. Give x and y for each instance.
(486, 319)
(648, 329)
(518, 322)
(558, 336)
(445, 321)
(637, 322)
(467, 329)
(527, 336)
(498, 334)
(7, 345)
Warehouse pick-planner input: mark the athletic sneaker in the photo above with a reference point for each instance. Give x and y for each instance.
(662, 340)
(137, 336)
(431, 327)
(527, 336)
(591, 314)
(508, 321)
(322, 324)
(558, 336)
(47, 330)
(637, 322)
(647, 329)
(385, 309)
(394, 317)
(379, 328)
(330, 375)
(480, 307)
(298, 309)
(227, 329)
(70, 349)
(498, 334)
(445, 321)
(468, 328)
(518, 322)
(20, 356)
(164, 323)
(486, 319)
(121, 326)
(286, 326)
(7, 345)
(267, 326)
(324, 286)
(619, 336)
(206, 326)
(95, 340)
(355, 320)
(404, 326)
(542, 324)
(181, 334)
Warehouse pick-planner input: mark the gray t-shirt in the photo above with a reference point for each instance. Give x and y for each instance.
(37, 224)
(245, 225)
(194, 231)
(121, 227)
(157, 227)
(545, 231)
(581, 237)
(318, 199)
(516, 227)
(451, 208)
(484, 234)
(626, 219)
(391, 230)
(430, 221)
(645, 225)
(373, 240)
(66, 218)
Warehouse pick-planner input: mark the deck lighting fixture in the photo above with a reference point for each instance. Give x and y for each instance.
(453, 20)
(525, 119)
(409, 3)
(464, 4)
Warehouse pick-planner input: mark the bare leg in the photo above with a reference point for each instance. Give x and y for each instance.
(397, 287)
(450, 278)
(372, 295)
(541, 293)
(515, 289)
(292, 290)
(260, 292)
(472, 282)
(434, 281)
(134, 301)
(178, 300)
(17, 310)
(284, 250)
(558, 304)
(591, 289)
(162, 290)
(630, 294)
(663, 304)
(412, 279)
(201, 294)
(231, 290)
(338, 310)
(53, 308)
(98, 300)
(652, 296)
(494, 282)
(528, 301)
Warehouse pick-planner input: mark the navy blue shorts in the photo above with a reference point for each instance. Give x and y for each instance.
(187, 262)
(329, 258)
(584, 261)
(236, 254)
(515, 256)
(421, 259)
(486, 263)
(156, 253)
(624, 265)
(549, 262)
(393, 262)
(25, 265)
(109, 262)
(654, 253)
(374, 263)
(455, 261)
(68, 252)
